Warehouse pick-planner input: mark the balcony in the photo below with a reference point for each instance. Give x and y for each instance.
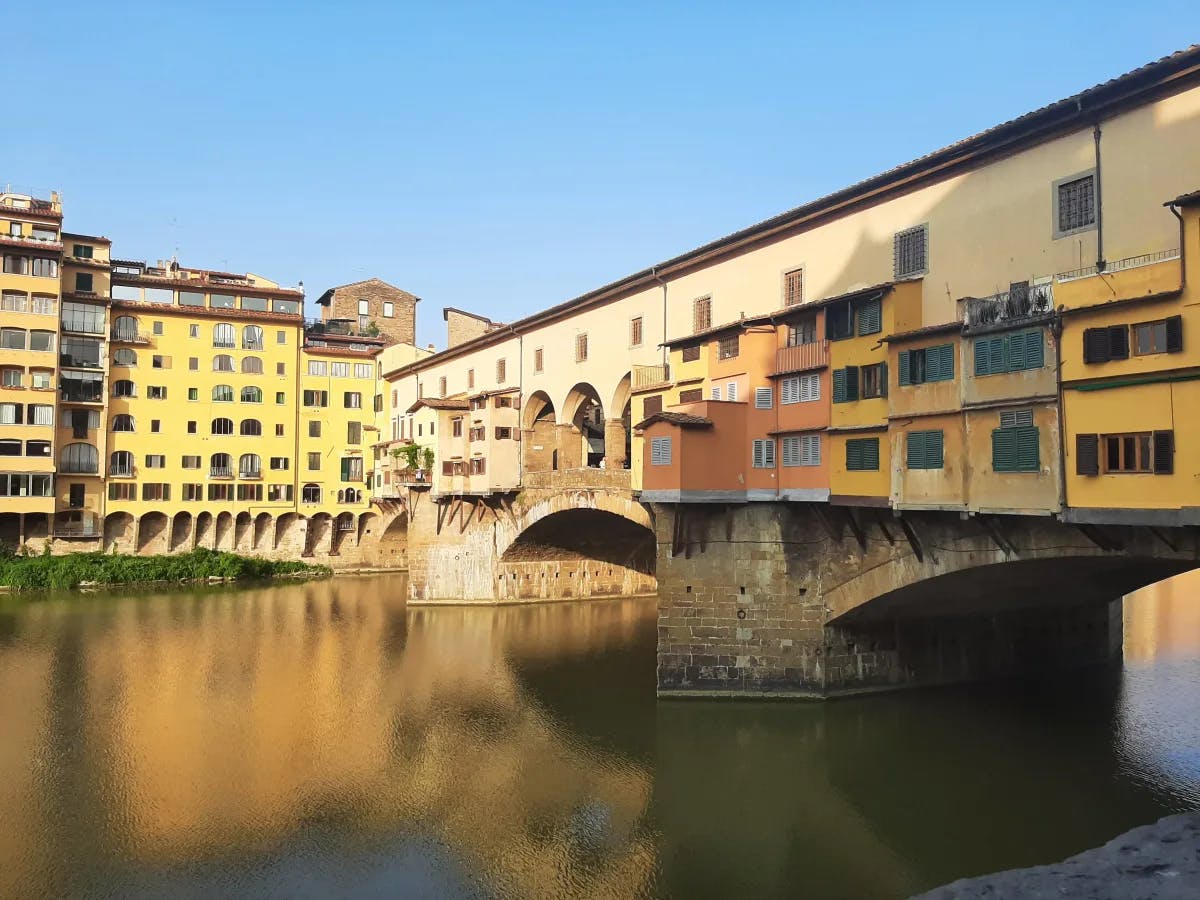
(72, 394)
(120, 470)
(73, 361)
(250, 474)
(220, 472)
(1012, 306)
(814, 355)
(86, 528)
(642, 377)
(125, 336)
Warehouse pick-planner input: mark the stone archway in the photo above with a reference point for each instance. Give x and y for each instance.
(343, 529)
(224, 531)
(204, 530)
(181, 531)
(320, 527)
(289, 533)
(119, 533)
(243, 537)
(152, 533)
(583, 411)
(262, 532)
(539, 445)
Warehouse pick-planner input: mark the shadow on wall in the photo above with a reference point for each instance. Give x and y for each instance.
(587, 534)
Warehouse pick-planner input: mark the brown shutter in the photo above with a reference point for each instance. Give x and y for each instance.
(651, 405)
(1164, 452)
(1118, 342)
(1095, 345)
(1175, 334)
(1087, 454)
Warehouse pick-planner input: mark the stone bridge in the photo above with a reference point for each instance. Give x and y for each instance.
(818, 600)
(572, 533)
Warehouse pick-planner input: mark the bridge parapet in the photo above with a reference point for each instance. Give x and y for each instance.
(615, 480)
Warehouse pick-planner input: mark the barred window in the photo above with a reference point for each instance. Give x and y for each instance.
(727, 347)
(793, 287)
(701, 314)
(581, 348)
(1075, 205)
(537, 364)
(910, 251)
(635, 331)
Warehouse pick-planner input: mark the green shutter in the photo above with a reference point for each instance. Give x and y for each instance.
(946, 369)
(883, 379)
(997, 355)
(1035, 356)
(839, 385)
(853, 456)
(982, 360)
(1027, 449)
(915, 450)
(1004, 449)
(851, 382)
(903, 375)
(1014, 356)
(862, 455)
(924, 449)
(870, 454)
(933, 450)
(869, 318)
(933, 363)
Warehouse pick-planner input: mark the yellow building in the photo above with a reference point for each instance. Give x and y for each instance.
(31, 246)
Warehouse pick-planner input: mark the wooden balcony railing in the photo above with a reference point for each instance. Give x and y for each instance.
(644, 376)
(801, 357)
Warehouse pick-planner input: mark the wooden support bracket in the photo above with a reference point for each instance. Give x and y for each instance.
(879, 520)
(1100, 538)
(442, 507)
(1158, 533)
(859, 534)
(913, 540)
(993, 529)
(833, 530)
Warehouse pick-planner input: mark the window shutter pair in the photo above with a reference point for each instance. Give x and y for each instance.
(925, 449)
(862, 455)
(763, 398)
(905, 376)
(845, 384)
(1015, 449)
(763, 453)
(789, 390)
(1101, 345)
(1087, 453)
(1175, 334)
(660, 451)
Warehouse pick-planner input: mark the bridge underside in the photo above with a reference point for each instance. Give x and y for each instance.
(812, 600)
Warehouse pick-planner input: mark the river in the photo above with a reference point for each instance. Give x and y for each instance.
(323, 740)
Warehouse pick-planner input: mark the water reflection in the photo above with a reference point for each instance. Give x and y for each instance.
(318, 740)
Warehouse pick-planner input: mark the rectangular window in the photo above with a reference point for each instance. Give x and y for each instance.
(280, 368)
(927, 364)
(478, 466)
(793, 287)
(317, 367)
(1114, 454)
(122, 491)
(364, 307)
(690, 354)
(1009, 353)
(694, 395)
(389, 309)
(364, 370)
(193, 364)
(316, 398)
(701, 314)
(155, 461)
(352, 400)
(160, 362)
(731, 392)
(251, 492)
(910, 252)
(81, 251)
(802, 450)
(83, 282)
(800, 388)
(277, 493)
(763, 398)
(839, 321)
(537, 364)
(156, 392)
(156, 491)
(581, 348)
(1101, 345)
(280, 398)
(1074, 204)
(193, 331)
(314, 428)
(845, 384)
(803, 332)
(191, 462)
(352, 468)
(279, 432)
(193, 493)
(220, 492)
(157, 328)
(660, 451)
(155, 426)
(923, 449)
(763, 453)
(1162, 336)
(503, 434)
(281, 337)
(280, 463)
(191, 427)
(635, 331)
(716, 392)
(353, 432)
(873, 380)
(868, 316)
(501, 370)
(314, 461)
(339, 370)
(1015, 443)
(727, 347)
(651, 406)
(862, 455)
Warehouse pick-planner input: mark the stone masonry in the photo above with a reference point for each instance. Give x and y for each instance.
(342, 302)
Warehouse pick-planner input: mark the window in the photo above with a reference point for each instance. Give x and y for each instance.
(156, 491)
(352, 468)
(537, 361)
(279, 430)
(82, 317)
(910, 252)
(845, 384)
(124, 388)
(252, 365)
(156, 461)
(793, 287)
(280, 493)
(803, 332)
(249, 466)
(222, 362)
(581, 348)
(84, 283)
(690, 354)
(763, 397)
(868, 316)
(635, 331)
(694, 395)
(731, 392)
(310, 493)
(862, 455)
(339, 370)
(501, 371)
(1162, 336)
(1074, 204)
(220, 492)
(81, 251)
(221, 301)
(927, 364)
(280, 398)
(15, 301)
(923, 449)
(256, 304)
(12, 338)
(81, 459)
(839, 322)
(281, 337)
(716, 392)
(122, 491)
(221, 426)
(651, 406)
(478, 433)
(251, 492)
(364, 370)
(122, 422)
(10, 447)
(192, 298)
(250, 428)
(155, 426)
(316, 398)
(364, 307)
(11, 413)
(389, 309)
(314, 429)
(504, 434)
(660, 451)
(763, 453)
(39, 380)
(314, 460)
(251, 394)
(192, 426)
(353, 432)
(222, 393)
(191, 462)
(701, 314)
(48, 268)
(1009, 353)
(280, 368)
(160, 362)
(280, 463)
(1113, 454)
(802, 450)
(478, 466)
(37, 448)
(41, 414)
(193, 493)
(193, 364)
(125, 358)
(873, 380)
(224, 335)
(1015, 443)
(16, 265)
(220, 465)
(352, 400)
(12, 378)
(252, 337)
(156, 392)
(1105, 344)
(317, 367)
(727, 347)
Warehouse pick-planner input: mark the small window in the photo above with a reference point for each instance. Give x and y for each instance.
(802, 450)
(193, 364)
(314, 460)
(763, 398)
(652, 405)
(660, 451)
(352, 400)
(191, 427)
(314, 428)
(701, 314)
(194, 331)
(279, 430)
(160, 362)
(924, 449)
(694, 395)
(281, 337)
(690, 354)
(537, 363)
(501, 371)
(802, 332)
(716, 392)
(727, 347)
(280, 398)
(364, 307)
(156, 392)
(581, 348)
(800, 389)
(862, 455)
(763, 453)
(157, 328)
(635, 331)
(910, 252)
(353, 432)
(442, 386)
(1074, 204)
(793, 287)
(83, 283)
(389, 309)
(927, 364)
(81, 251)
(873, 380)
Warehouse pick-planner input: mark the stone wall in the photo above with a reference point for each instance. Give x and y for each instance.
(462, 327)
(786, 599)
(400, 328)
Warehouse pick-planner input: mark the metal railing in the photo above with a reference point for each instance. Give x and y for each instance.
(124, 336)
(1010, 306)
(71, 394)
(122, 471)
(220, 472)
(339, 328)
(1129, 262)
(813, 355)
(644, 376)
(89, 528)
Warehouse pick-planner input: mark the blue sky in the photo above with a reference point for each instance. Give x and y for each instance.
(506, 158)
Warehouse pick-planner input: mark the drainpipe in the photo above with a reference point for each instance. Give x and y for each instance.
(1056, 330)
(655, 276)
(1182, 244)
(1100, 264)
(521, 395)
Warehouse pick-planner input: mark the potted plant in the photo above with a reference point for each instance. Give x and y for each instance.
(427, 457)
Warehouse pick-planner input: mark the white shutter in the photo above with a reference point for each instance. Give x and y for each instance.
(810, 388)
(763, 398)
(763, 456)
(716, 392)
(810, 450)
(1016, 418)
(660, 451)
(791, 451)
(731, 392)
(789, 390)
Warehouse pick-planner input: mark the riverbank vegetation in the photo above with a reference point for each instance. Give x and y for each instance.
(76, 569)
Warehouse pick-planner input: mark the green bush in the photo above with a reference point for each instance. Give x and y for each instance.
(42, 572)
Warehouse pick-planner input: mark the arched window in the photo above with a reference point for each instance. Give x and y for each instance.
(220, 465)
(341, 497)
(349, 495)
(223, 362)
(222, 426)
(122, 422)
(311, 494)
(252, 365)
(250, 466)
(251, 394)
(80, 459)
(251, 428)
(124, 357)
(222, 393)
(252, 338)
(224, 335)
(124, 328)
(120, 463)
(124, 388)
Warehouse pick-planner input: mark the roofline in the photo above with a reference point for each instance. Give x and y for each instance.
(446, 310)
(99, 239)
(1163, 76)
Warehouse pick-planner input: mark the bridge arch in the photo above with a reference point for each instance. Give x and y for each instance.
(583, 410)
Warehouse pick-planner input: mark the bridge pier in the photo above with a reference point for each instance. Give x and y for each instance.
(792, 599)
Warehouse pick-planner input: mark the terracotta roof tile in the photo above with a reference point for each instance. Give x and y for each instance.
(683, 420)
